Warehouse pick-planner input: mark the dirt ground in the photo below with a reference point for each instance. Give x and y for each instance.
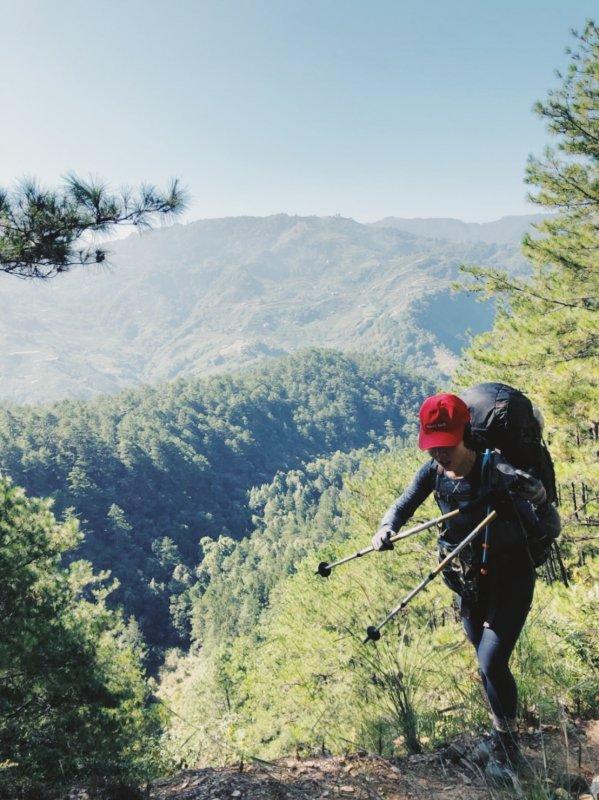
(448, 774)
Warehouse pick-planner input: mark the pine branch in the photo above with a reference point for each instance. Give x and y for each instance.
(494, 282)
(42, 232)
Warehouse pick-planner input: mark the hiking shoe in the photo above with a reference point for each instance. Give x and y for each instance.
(507, 753)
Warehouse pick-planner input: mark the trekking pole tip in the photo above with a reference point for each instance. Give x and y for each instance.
(372, 634)
(323, 570)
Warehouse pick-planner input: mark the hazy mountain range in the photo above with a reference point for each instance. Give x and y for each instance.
(219, 294)
(502, 231)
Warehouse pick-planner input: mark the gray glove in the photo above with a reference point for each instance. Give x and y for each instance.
(531, 489)
(380, 540)
(523, 485)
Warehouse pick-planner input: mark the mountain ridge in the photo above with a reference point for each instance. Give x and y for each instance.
(216, 295)
(505, 229)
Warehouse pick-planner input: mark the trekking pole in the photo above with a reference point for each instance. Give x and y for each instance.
(324, 568)
(373, 631)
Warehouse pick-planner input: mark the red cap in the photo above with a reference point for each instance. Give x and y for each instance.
(443, 418)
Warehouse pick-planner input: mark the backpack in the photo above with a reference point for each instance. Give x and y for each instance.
(502, 418)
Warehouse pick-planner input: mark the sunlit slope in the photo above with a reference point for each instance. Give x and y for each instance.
(150, 472)
(218, 294)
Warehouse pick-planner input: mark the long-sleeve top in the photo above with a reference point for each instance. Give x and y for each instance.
(507, 537)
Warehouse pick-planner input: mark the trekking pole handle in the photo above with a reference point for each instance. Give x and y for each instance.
(324, 568)
(373, 631)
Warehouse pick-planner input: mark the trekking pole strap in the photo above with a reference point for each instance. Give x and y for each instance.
(324, 569)
(373, 632)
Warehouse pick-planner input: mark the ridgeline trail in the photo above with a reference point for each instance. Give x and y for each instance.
(563, 759)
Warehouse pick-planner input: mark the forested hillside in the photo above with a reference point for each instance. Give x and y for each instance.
(151, 472)
(215, 295)
(207, 504)
(298, 677)
(294, 675)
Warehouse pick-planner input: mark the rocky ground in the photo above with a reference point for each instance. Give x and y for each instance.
(565, 763)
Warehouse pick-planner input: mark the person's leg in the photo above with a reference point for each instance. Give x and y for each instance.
(500, 633)
(473, 624)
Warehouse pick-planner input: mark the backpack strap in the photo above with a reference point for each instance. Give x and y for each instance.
(438, 474)
(485, 484)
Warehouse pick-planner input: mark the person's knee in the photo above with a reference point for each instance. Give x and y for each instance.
(492, 664)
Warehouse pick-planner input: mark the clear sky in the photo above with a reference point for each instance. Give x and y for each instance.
(366, 109)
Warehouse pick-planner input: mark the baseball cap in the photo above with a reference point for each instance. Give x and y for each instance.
(443, 418)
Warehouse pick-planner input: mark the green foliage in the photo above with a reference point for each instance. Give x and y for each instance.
(42, 231)
(152, 472)
(559, 627)
(307, 681)
(301, 680)
(295, 514)
(73, 701)
(545, 336)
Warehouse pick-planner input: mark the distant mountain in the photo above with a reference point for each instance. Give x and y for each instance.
(502, 231)
(220, 294)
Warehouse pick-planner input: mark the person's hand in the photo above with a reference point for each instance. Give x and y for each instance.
(531, 489)
(523, 485)
(380, 540)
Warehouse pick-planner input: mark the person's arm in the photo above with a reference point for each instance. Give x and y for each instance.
(404, 507)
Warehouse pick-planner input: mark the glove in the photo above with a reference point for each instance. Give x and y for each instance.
(531, 489)
(380, 540)
(523, 485)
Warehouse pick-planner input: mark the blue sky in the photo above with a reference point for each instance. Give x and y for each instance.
(366, 109)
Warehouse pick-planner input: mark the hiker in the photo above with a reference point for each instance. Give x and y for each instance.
(496, 590)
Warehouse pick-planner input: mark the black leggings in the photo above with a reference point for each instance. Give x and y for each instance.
(493, 626)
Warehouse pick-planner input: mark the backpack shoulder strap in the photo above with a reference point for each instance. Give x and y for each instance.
(438, 475)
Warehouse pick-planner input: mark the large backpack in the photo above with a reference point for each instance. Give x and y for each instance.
(503, 418)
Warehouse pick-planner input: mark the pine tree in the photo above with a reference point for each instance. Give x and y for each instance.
(545, 337)
(74, 705)
(45, 232)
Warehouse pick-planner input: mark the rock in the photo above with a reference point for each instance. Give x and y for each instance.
(595, 787)
(585, 797)
(236, 793)
(347, 790)
(572, 782)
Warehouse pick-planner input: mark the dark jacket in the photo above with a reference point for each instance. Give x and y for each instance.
(508, 548)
